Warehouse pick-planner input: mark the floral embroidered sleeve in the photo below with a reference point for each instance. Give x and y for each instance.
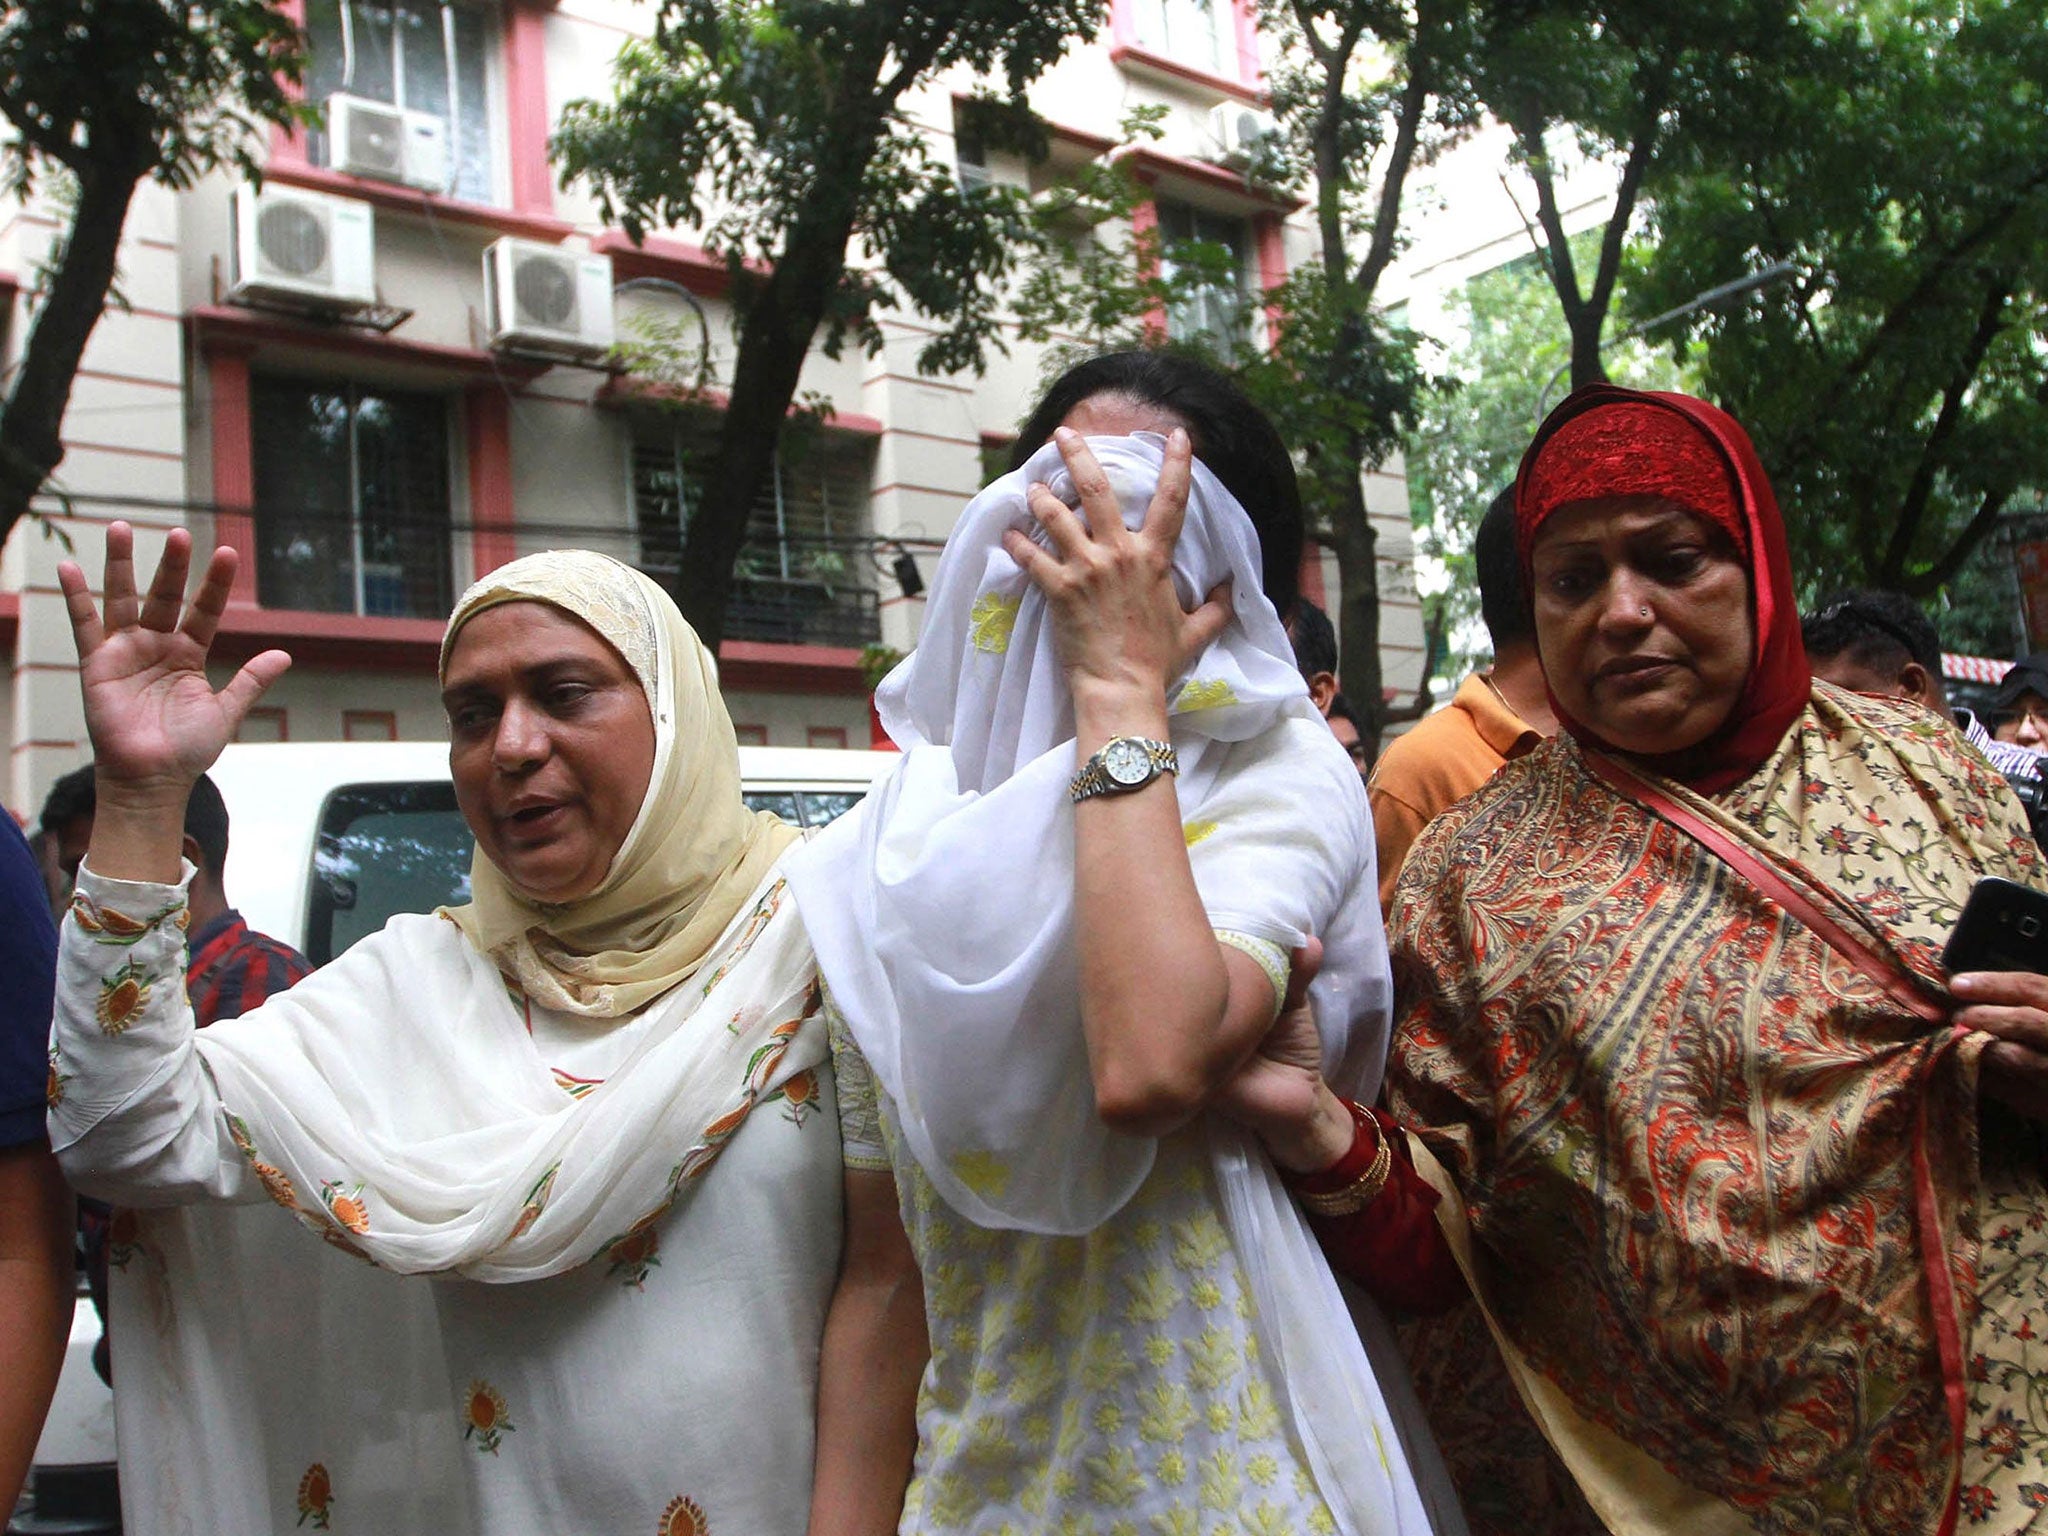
(134, 1117)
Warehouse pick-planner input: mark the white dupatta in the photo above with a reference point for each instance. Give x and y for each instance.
(942, 913)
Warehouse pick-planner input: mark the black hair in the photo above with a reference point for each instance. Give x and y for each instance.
(1503, 601)
(1230, 435)
(1874, 628)
(69, 798)
(1340, 709)
(1314, 639)
(206, 813)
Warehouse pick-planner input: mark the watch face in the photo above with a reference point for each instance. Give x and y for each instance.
(1126, 762)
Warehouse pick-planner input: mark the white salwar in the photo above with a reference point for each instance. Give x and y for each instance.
(942, 911)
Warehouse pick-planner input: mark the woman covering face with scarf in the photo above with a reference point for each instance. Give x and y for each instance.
(587, 1104)
(1052, 935)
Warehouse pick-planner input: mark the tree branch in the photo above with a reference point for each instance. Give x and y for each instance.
(41, 138)
(1386, 223)
(1981, 522)
(1934, 451)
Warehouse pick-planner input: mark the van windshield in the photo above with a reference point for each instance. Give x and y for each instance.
(391, 848)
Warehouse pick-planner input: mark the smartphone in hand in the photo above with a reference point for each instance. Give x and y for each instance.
(2004, 927)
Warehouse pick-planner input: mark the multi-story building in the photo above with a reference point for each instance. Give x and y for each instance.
(382, 374)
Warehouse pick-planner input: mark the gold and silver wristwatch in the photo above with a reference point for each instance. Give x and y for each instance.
(1123, 763)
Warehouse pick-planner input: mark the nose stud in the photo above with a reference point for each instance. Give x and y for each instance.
(1645, 612)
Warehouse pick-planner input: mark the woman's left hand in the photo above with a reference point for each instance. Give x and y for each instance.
(1117, 622)
(2012, 1005)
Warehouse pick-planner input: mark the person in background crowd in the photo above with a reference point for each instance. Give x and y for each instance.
(2021, 701)
(1745, 1181)
(36, 1220)
(230, 968)
(1350, 733)
(1872, 641)
(1496, 714)
(1040, 978)
(581, 1125)
(1314, 639)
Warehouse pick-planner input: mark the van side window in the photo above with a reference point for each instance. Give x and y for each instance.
(384, 849)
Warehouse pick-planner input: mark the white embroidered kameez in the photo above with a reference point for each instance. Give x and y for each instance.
(265, 1381)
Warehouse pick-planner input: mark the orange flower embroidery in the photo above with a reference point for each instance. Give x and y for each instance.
(316, 1496)
(484, 1416)
(683, 1517)
(123, 996)
(53, 1087)
(634, 1254)
(276, 1185)
(801, 1094)
(536, 1202)
(124, 1237)
(345, 1206)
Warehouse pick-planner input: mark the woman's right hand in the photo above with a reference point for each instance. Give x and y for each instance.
(1279, 1093)
(155, 721)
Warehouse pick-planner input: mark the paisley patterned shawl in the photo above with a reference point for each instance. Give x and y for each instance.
(1682, 1125)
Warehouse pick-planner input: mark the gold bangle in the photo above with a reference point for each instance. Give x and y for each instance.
(1361, 1191)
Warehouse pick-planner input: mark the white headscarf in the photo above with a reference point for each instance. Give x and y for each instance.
(942, 912)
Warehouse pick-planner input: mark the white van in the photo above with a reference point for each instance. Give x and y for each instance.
(326, 840)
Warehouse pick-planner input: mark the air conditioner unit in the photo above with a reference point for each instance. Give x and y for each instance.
(542, 298)
(304, 250)
(1238, 133)
(368, 138)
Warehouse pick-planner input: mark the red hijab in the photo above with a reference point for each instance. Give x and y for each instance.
(1603, 441)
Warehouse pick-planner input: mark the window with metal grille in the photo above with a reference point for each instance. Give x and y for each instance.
(1214, 309)
(351, 498)
(418, 55)
(803, 575)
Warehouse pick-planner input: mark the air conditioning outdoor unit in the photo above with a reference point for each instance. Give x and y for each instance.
(1238, 132)
(545, 299)
(368, 138)
(303, 250)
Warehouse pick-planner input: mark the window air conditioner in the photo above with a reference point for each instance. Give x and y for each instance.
(1238, 133)
(385, 143)
(542, 298)
(303, 250)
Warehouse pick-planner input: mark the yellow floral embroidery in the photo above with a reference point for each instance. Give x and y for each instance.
(1197, 694)
(1221, 1484)
(1194, 831)
(992, 620)
(1113, 1477)
(983, 1172)
(1168, 1412)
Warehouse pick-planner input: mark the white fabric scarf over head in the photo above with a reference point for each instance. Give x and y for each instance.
(942, 912)
(415, 1094)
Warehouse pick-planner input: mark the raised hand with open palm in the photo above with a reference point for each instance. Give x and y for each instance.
(156, 722)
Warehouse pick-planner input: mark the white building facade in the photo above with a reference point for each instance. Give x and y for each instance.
(378, 378)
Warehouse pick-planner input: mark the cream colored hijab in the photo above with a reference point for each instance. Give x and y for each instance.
(695, 853)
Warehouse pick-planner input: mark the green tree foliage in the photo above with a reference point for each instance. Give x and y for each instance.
(1632, 84)
(1898, 389)
(1508, 354)
(103, 95)
(776, 128)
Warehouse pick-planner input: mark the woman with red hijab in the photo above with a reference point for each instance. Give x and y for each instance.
(1730, 1163)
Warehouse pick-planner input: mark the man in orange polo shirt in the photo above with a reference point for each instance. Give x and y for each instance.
(1495, 715)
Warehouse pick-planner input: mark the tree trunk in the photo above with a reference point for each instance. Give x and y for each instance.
(31, 440)
(1358, 612)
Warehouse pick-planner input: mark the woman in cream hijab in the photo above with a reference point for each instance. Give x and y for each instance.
(599, 1079)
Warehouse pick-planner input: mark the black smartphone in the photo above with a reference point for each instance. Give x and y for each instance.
(2004, 927)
